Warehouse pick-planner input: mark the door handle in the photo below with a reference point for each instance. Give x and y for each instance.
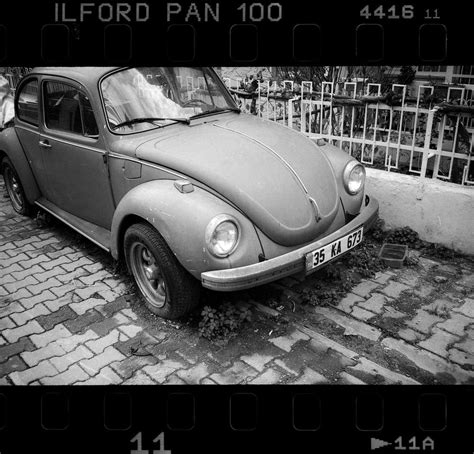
(44, 144)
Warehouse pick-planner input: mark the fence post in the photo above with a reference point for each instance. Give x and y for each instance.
(426, 148)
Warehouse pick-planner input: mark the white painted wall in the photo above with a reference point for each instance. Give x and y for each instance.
(440, 212)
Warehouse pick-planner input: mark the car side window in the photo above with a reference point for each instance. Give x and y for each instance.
(27, 103)
(68, 109)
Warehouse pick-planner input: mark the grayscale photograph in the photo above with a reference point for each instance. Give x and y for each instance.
(237, 225)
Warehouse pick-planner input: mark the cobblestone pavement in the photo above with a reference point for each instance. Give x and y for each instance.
(67, 317)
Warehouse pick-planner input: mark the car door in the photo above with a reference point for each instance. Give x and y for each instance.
(74, 153)
(27, 121)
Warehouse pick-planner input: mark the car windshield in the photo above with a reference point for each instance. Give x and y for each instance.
(138, 99)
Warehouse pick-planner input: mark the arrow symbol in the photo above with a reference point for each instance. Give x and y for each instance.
(375, 443)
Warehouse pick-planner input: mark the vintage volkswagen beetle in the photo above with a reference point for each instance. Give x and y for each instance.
(159, 167)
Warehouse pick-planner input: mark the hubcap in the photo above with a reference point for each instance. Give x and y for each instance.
(148, 275)
(13, 189)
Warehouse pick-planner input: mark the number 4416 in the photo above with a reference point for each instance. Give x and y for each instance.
(388, 12)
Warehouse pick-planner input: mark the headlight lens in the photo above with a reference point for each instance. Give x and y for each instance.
(222, 235)
(354, 177)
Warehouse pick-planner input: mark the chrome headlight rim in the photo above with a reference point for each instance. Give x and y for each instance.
(350, 166)
(215, 222)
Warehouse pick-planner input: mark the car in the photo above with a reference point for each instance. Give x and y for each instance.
(159, 167)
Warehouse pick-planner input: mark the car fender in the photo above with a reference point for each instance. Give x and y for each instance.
(181, 219)
(339, 159)
(11, 146)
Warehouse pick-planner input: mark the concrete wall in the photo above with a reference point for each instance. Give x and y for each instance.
(440, 212)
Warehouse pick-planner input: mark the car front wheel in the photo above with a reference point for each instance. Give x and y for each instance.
(166, 287)
(14, 188)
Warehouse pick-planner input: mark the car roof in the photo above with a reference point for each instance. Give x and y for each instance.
(85, 75)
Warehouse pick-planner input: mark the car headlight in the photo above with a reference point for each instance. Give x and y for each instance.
(354, 177)
(222, 235)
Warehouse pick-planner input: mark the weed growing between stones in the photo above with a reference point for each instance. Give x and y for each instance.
(221, 323)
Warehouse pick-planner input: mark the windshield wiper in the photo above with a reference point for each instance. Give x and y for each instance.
(150, 120)
(215, 111)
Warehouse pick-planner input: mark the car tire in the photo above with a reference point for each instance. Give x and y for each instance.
(15, 189)
(167, 289)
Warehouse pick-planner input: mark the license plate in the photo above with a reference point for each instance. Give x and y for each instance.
(332, 250)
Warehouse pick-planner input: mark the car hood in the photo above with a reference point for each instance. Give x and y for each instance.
(276, 176)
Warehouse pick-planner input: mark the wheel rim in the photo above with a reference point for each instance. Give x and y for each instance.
(14, 189)
(148, 275)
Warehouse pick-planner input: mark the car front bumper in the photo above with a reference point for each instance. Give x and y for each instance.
(287, 264)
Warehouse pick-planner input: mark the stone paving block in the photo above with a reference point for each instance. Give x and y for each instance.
(109, 295)
(139, 378)
(99, 345)
(94, 267)
(390, 377)
(46, 242)
(22, 274)
(346, 304)
(128, 366)
(352, 326)
(87, 292)
(15, 259)
(457, 324)
(69, 377)
(310, 377)
(286, 342)
(72, 342)
(238, 373)
(41, 287)
(105, 377)
(394, 289)
(93, 365)
(461, 358)
(63, 251)
(45, 275)
(29, 283)
(6, 323)
(119, 304)
(58, 332)
(467, 345)
(50, 264)
(365, 288)
(34, 357)
(30, 262)
(257, 360)
(349, 379)
(67, 288)
(61, 363)
(20, 295)
(72, 276)
(22, 318)
(174, 380)
(8, 279)
(390, 312)
(423, 290)
(83, 306)
(439, 341)
(411, 335)
(12, 269)
(269, 377)
(129, 313)
(79, 323)
(441, 307)
(467, 281)
(427, 361)
(193, 375)
(105, 326)
(375, 303)
(130, 330)
(71, 266)
(42, 370)
(32, 327)
(50, 320)
(97, 276)
(362, 314)
(57, 303)
(161, 370)
(427, 263)
(467, 308)
(8, 307)
(423, 321)
(13, 364)
(32, 301)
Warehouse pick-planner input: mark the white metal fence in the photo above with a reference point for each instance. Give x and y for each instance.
(411, 136)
